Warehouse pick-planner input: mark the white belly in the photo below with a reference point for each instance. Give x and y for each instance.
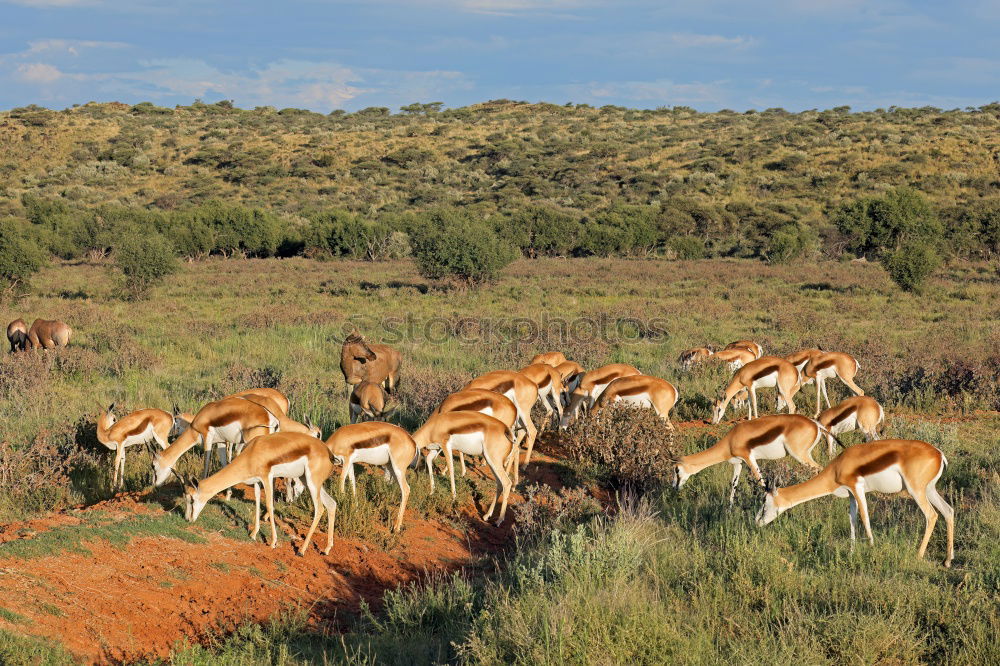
(767, 381)
(376, 455)
(290, 470)
(140, 438)
(470, 444)
(887, 481)
(772, 450)
(847, 425)
(222, 434)
(827, 373)
(596, 392)
(638, 400)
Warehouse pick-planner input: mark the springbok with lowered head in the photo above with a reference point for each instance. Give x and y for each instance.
(368, 402)
(521, 391)
(757, 350)
(49, 334)
(692, 357)
(859, 412)
(829, 365)
(549, 358)
(288, 455)
(765, 372)
(591, 385)
(550, 388)
(486, 402)
(887, 466)
(640, 391)
(141, 427)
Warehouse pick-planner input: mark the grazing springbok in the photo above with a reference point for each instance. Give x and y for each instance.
(279, 398)
(549, 358)
(521, 391)
(736, 357)
(765, 372)
(550, 388)
(691, 357)
(800, 360)
(17, 335)
(859, 412)
(887, 466)
(486, 402)
(591, 386)
(360, 360)
(368, 402)
(829, 365)
(641, 391)
(757, 350)
(375, 443)
(142, 427)
(288, 455)
(49, 334)
(767, 438)
(475, 434)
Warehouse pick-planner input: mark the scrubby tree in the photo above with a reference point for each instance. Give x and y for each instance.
(911, 264)
(453, 244)
(143, 260)
(20, 258)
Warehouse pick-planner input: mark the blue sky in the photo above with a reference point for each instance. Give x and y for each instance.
(329, 54)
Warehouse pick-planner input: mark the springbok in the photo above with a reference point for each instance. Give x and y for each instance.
(691, 357)
(886, 466)
(17, 335)
(591, 386)
(767, 438)
(521, 391)
(368, 402)
(475, 434)
(757, 350)
(736, 357)
(49, 334)
(859, 412)
(141, 427)
(641, 391)
(571, 373)
(360, 360)
(828, 365)
(549, 358)
(486, 402)
(550, 388)
(800, 360)
(375, 443)
(765, 372)
(288, 455)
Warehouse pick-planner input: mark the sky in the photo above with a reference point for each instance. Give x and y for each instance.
(341, 54)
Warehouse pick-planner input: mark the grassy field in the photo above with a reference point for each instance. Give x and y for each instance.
(670, 576)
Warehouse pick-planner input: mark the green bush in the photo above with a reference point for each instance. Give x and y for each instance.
(143, 260)
(449, 244)
(20, 258)
(911, 264)
(879, 226)
(687, 247)
(340, 233)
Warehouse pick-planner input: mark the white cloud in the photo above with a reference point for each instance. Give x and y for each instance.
(662, 92)
(687, 40)
(38, 72)
(70, 46)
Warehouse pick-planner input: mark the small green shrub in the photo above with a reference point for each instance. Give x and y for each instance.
(911, 264)
(452, 245)
(20, 258)
(687, 247)
(143, 262)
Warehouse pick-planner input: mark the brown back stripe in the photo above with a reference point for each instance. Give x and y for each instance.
(466, 429)
(878, 464)
(633, 390)
(474, 406)
(764, 372)
(845, 414)
(138, 429)
(607, 377)
(545, 381)
(826, 364)
(372, 442)
(766, 438)
(289, 455)
(504, 386)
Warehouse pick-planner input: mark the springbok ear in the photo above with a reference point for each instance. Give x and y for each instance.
(768, 486)
(111, 407)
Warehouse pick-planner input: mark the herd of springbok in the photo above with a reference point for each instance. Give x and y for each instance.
(257, 442)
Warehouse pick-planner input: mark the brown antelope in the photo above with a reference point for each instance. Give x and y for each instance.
(828, 365)
(478, 435)
(549, 358)
(571, 373)
(888, 466)
(591, 385)
(375, 443)
(859, 412)
(641, 391)
(736, 357)
(521, 391)
(767, 438)
(17, 335)
(231, 420)
(49, 334)
(142, 427)
(757, 350)
(550, 388)
(486, 402)
(279, 398)
(800, 360)
(765, 372)
(360, 360)
(288, 455)
(691, 357)
(368, 402)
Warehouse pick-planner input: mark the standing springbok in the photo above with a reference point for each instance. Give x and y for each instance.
(550, 388)
(887, 466)
(286, 455)
(360, 360)
(859, 412)
(368, 402)
(142, 427)
(765, 372)
(474, 434)
(375, 443)
(828, 365)
(486, 402)
(800, 360)
(641, 391)
(767, 438)
(17, 335)
(522, 392)
(591, 386)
